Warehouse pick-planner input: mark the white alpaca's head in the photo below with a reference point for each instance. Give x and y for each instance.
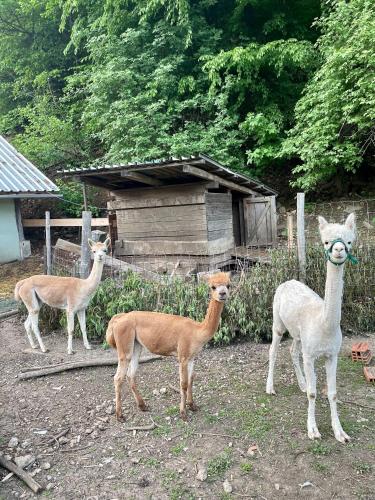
(99, 249)
(344, 233)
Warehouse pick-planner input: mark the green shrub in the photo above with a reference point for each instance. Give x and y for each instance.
(248, 313)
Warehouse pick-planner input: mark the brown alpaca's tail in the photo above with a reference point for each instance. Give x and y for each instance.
(110, 336)
(17, 290)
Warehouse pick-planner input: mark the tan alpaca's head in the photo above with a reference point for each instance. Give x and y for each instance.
(99, 249)
(338, 238)
(219, 284)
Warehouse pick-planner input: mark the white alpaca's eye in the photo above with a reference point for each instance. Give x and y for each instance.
(349, 242)
(326, 242)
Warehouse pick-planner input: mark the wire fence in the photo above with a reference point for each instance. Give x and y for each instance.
(257, 271)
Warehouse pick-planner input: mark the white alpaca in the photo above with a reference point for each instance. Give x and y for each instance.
(314, 323)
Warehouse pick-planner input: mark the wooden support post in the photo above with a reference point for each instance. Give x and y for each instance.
(48, 244)
(85, 249)
(301, 245)
(289, 228)
(84, 196)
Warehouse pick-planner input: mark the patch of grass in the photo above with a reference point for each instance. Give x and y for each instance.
(218, 465)
(169, 477)
(246, 467)
(162, 429)
(320, 467)
(212, 419)
(178, 449)
(172, 411)
(254, 422)
(152, 462)
(318, 448)
(181, 492)
(362, 467)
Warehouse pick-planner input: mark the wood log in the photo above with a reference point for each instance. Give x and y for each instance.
(26, 478)
(43, 371)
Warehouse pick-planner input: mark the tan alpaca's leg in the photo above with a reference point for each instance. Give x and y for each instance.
(119, 378)
(29, 329)
(183, 387)
(189, 399)
(132, 370)
(70, 319)
(82, 323)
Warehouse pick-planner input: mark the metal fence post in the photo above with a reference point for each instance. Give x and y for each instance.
(48, 243)
(85, 249)
(301, 244)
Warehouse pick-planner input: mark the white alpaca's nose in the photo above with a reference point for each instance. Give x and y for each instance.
(338, 249)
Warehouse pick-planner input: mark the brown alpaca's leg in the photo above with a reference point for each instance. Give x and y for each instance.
(133, 367)
(119, 380)
(189, 400)
(183, 388)
(124, 338)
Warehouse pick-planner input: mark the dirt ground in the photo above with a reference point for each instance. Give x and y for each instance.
(18, 270)
(99, 459)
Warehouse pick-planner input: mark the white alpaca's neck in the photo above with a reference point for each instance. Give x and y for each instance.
(333, 295)
(95, 276)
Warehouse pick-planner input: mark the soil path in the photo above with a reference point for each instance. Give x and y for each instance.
(98, 459)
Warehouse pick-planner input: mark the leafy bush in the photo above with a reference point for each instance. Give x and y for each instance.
(248, 313)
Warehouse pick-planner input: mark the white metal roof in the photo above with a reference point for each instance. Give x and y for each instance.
(18, 175)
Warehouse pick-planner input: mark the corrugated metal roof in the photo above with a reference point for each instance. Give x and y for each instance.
(155, 167)
(18, 175)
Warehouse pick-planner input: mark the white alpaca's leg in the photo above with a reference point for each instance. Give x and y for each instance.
(70, 319)
(295, 352)
(312, 428)
(82, 323)
(276, 338)
(29, 329)
(331, 365)
(34, 318)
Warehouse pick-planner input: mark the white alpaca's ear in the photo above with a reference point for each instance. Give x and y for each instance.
(107, 242)
(322, 222)
(91, 243)
(350, 222)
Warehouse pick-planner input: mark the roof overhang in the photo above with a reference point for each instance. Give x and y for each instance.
(166, 172)
(15, 196)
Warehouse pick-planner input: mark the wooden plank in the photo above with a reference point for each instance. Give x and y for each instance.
(290, 230)
(95, 222)
(145, 179)
(154, 247)
(198, 172)
(301, 246)
(164, 196)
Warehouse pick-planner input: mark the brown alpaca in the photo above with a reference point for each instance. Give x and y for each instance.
(167, 335)
(71, 294)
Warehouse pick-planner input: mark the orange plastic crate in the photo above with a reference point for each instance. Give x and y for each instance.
(361, 352)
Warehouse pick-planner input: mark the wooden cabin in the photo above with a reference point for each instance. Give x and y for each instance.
(184, 215)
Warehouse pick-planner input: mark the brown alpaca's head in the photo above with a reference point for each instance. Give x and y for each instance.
(219, 284)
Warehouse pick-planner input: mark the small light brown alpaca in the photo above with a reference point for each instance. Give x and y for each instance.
(167, 335)
(71, 294)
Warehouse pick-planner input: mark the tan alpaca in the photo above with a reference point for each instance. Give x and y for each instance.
(70, 294)
(167, 335)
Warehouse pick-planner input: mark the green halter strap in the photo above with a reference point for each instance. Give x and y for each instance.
(348, 257)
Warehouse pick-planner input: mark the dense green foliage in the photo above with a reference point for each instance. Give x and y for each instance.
(107, 80)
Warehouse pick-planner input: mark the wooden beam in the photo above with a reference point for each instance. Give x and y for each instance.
(145, 179)
(98, 222)
(198, 172)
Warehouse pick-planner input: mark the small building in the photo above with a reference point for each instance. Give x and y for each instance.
(184, 214)
(19, 179)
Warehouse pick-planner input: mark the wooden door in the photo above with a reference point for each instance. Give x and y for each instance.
(260, 221)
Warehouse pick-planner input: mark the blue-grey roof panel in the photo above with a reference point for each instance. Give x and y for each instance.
(19, 175)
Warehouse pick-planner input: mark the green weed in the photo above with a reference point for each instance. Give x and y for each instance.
(218, 465)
